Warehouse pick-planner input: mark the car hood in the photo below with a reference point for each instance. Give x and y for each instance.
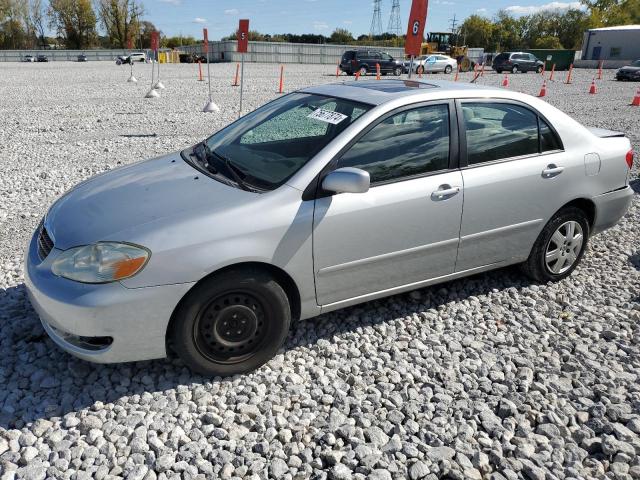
(629, 68)
(111, 205)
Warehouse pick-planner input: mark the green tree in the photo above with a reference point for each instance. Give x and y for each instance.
(341, 36)
(75, 22)
(613, 12)
(120, 19)
(547, 42)
(477, 31)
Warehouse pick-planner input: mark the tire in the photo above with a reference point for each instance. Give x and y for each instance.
(420, 69)
(350, 74)
(397, 71)
(538, 69)
(537, 267)
(514, 69)
(252, 301)
(498, 70)
(363, 71)
(448, 69)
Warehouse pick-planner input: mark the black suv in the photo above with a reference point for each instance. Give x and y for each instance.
(515, 62)
(364, 61)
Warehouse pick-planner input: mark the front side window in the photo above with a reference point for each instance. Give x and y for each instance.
(275, 141)
(386, 56)
(412, 142)
(497, 131)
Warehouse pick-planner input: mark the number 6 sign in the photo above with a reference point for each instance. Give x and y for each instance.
(415, 32)
(243, 36)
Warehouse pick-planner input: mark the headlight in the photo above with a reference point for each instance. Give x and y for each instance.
(101, 262)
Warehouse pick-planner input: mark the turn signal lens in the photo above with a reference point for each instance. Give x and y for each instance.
(102, 262)
(630, 159)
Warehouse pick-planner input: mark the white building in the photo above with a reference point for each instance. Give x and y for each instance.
(612, 43)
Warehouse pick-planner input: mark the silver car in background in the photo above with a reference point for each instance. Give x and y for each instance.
(324, 198)
(432, 64)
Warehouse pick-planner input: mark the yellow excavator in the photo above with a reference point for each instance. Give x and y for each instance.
(445, 43)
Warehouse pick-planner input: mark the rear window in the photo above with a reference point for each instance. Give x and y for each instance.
(348, 55)
(502, 57)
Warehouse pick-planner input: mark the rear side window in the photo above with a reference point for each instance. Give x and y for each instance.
(548, 139)
(348, 56)
(497, 131)
(502, 57)
(412, 142)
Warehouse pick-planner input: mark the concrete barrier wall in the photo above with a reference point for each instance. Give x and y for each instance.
(605, 63)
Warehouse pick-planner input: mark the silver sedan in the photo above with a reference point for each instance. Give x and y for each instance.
(433, 64)
(326, 197)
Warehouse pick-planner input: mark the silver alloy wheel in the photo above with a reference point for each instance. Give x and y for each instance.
(564, 247)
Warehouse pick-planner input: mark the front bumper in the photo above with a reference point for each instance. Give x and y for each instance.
(627, 76)
(106, 323)
(611, 207)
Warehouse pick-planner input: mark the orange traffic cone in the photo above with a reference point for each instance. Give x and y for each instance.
(377, 71)
(357, 75)
(592, 88)
(200, 79)
(505, 81)
(543, 90)
(237, 79)
(636, 99)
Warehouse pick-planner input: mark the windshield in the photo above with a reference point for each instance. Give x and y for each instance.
(269, 145)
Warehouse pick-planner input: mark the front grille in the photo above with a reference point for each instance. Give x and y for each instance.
(45, 244)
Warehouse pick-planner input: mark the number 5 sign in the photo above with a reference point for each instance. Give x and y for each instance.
(415, 32)
(243, 36)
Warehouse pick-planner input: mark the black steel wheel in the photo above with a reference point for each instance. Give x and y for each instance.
(231, 323)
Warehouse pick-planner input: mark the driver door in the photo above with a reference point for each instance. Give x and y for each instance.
(405, 229)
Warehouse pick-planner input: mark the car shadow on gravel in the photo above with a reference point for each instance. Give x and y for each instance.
(39, 380)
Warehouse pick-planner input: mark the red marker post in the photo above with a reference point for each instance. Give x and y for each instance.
(243, 44)
(415, 30)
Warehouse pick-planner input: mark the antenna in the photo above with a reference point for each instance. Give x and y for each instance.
(376, 21)
(395, 26)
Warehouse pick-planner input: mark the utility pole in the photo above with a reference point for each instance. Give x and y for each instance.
(376, 21)
(454, 22)
(395, 25)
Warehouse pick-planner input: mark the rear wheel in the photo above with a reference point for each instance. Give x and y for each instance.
(539, 69)
(498, 70)
(397, 71)
(231, 323)
(559, 247)
(514, 69)
(448, 69)
(420, 69)
(363, 71)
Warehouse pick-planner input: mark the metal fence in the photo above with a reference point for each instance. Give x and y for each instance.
(221, 51)
(274, 52)
(62, 55)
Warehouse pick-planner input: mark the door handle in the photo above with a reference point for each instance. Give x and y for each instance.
(552, 170)
(444, 191)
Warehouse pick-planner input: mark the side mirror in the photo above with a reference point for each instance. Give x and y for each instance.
(347, 180)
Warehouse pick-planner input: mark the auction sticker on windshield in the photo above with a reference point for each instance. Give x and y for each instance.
(327, 116)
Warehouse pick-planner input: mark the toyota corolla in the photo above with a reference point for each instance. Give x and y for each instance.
(323, 198)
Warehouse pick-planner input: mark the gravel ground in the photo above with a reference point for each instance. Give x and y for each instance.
(487, 377)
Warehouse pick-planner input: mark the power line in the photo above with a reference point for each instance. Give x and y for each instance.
(395, 25)
(376, 21)
(453, 21)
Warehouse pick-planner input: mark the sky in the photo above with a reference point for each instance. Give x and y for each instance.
(188, 17)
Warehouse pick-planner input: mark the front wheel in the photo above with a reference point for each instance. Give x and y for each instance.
(514, 69)
(363, 71)
(231, 323)
(448, 69)
(397, 71)
(559, 247)
(538, 69)
(420, 69)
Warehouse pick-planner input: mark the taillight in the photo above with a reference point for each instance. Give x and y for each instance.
(629, 158)
(353, 62)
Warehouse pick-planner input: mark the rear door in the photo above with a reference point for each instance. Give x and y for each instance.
(516, 176)
(405, 228)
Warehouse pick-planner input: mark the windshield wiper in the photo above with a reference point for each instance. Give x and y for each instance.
(234, 170)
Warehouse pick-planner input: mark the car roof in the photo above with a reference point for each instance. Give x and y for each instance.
(377, 92)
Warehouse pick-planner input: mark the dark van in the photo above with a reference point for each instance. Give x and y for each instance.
(364, 61)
